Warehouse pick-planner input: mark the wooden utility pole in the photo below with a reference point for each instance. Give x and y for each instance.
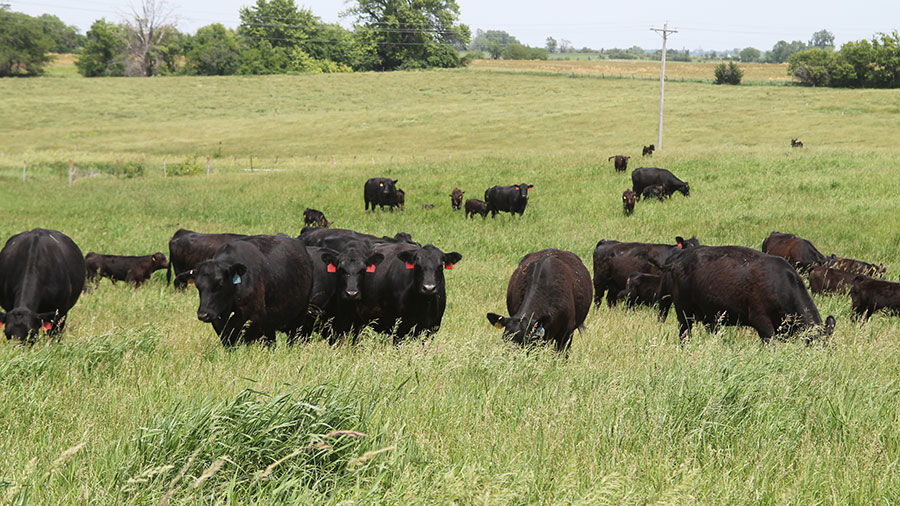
(665, 31)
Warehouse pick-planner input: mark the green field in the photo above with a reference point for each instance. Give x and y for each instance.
(139, 403)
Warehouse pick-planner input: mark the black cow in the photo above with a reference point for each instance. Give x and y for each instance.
(188, 248)
(338, 238)
(824, 279)
(42, 274)
(456, 199)
(628, 200)
(869, 295)
(648, 150)
(510, 199)
(548, 297)
(399, 199)
(856, 266)
(798, 251)
(380, 191)
(655, 191)
(796, 144)
(621, 163)
(253, 287)
(315, 218)
(734, 285)
(131, 269)
(406, 295)
(641, 288)
(475, 206)
(614, 261)
(643, 177)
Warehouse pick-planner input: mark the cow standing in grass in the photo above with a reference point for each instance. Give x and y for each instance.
(511, 199)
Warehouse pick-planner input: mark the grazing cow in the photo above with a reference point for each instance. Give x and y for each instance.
(643, 177)
(406, 295)
(131, 269)
(641, 288)
(475, 206)
(548, 297)
(655, 191)
(380, 191)
(315, 218)
(253, 287)
(510, 199)
(824, 279)
(648, 150)
(400, 198)
(796, 250)
(628, 200)
(337, 288)
(188, 248)
(796, 144)
(734, 285)
(856, 266)
(869, 295)
(614, 261)
(41, 277)
(456, 199)
(621, 163)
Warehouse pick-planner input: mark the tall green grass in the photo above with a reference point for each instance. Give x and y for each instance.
(115, 412)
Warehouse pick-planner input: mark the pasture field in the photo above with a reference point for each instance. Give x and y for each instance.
(139, 403)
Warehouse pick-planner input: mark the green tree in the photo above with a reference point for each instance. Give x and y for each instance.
(213, 51)
(728, 73)
(410, 33)
(274, 35)
(103, 52)
(823, 39)
(516, 51)
(147, 35)
(551, 45)
(66, 39)
(23, 45)
(750, 54)
(811, 66)
(782, 50)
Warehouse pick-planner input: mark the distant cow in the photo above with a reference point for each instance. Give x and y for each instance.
(253, 287)
(648, 150)
(510, 199)
(548, 297)
(824, 279)
(856, 266)
(41, 277)
(657, 191)
(628, 200)
(456, 199)
(475, 206)
(188, 248)
(641, 288)
(643, 177)
(380, 191)
(734, 285)
(407, 295)
(400, 199)
(131, 269)
(315, 218)
(621, 162)
(796, 144)
(614, 261)
(869, 295)
(798, 251)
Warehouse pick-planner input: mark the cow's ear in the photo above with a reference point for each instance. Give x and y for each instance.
(374, 259)
(237, 272)
(679, 239)
(452, 258)
(496, 320)
(185, 277)
(329, 257)
(395, 181)
(407, 256)
(46, 318)
(530, 186)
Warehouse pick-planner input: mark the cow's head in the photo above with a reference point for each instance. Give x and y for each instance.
(159, 260)
(350, 265)
(522, 189)
(428, 264)
(218, 283)
(387, 188)
(684, 188)
(24, 324)
(628, 199)
(520, 329)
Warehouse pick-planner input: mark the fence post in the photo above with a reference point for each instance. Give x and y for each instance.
(251, 163)
(207, 166)
(70, 172)
(24, 167)
(164, 168)
(293, 163)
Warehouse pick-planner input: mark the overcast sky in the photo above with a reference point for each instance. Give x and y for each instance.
(706, 24)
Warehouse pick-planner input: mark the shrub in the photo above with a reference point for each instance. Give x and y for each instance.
(189, 167)
(728, 73)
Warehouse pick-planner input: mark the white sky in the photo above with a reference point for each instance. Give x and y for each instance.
(706, 24)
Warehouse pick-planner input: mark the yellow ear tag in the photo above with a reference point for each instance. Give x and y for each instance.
(498, 325)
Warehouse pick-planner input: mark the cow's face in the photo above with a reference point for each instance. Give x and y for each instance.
(685, 189)
(520, 330)
(387, 188)
(218, 285)
(628, 199)
(22, 323)
(522, 189)
(350, 266)
(159, 260)
(428, 266)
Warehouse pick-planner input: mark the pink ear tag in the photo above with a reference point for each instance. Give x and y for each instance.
(370, 268)
(410, 266)
(331, 268)
(449, 267)
(47, 326)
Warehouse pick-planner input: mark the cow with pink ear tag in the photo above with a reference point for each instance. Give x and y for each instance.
(509, 199)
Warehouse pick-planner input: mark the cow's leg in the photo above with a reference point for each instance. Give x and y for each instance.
(684, 326)
(229, 331)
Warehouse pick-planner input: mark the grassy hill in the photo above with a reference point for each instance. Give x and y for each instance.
(139, 403)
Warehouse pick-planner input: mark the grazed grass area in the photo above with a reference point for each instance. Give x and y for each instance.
(464, 417)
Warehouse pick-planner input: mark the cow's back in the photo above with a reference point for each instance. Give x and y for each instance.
(570, 280)
(46, 260)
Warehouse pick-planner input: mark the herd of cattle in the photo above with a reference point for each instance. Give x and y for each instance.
(335, 282)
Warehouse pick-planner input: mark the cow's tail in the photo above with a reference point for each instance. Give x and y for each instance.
(169, 272)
